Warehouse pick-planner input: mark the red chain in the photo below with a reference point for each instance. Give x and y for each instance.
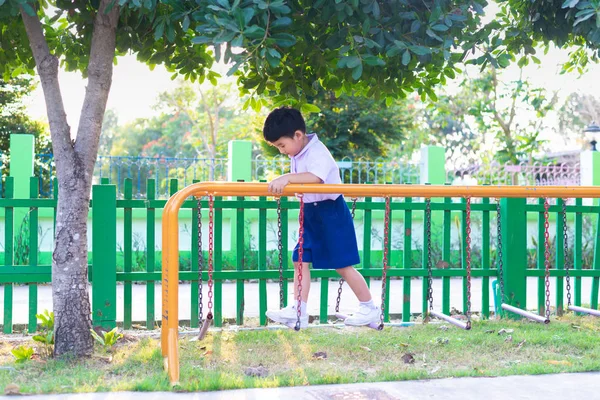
(386, 232)
(468, 250)
(300, 254)
(210, 254)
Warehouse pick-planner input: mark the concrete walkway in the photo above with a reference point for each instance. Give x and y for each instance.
(251, 298)
(547, 387)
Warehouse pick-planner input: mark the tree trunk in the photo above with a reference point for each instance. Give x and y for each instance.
(74, 169)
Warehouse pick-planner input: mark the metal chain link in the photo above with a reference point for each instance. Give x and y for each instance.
(547, 256)
(386, 231)
(468, 240)
(429, 263)
(280, 248)
(211, 247)
(300, 254)
(200, 263)
(565, 250)
(499, 251)
(340, 288)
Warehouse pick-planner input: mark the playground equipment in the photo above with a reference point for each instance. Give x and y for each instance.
(170, 232)
(534, 317)
(386, 231)
(431, 311)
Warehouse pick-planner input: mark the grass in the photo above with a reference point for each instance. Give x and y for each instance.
(224, 360)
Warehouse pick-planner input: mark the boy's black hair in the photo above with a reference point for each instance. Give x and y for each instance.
(283, 122)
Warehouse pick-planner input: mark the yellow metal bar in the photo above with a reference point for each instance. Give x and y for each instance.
(170, 228)
(260, 189)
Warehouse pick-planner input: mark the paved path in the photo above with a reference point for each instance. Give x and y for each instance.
(349, 302)
(547, 387)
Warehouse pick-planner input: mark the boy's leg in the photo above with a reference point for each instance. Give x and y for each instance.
(305, 282)
(289, 315)
(356, 282)
(368, 313)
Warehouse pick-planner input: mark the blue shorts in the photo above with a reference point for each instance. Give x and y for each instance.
(329, 236)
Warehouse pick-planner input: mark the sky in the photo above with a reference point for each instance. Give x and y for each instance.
(135, 88)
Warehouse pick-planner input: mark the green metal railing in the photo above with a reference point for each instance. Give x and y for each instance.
(104, 276)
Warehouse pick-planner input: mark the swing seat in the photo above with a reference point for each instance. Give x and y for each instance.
(463, 325)
(207, 322)
(590, 311)
(526, 314)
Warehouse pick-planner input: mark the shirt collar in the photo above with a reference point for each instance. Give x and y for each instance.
(312, 139)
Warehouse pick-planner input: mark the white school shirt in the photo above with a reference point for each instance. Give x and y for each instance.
(316, 159)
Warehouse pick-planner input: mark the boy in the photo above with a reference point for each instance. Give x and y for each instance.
(329, 237)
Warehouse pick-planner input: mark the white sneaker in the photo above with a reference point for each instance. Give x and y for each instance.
(364, 316)
(288, 316)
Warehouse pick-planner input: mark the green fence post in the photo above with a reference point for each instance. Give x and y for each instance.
(514, 236)
(590, 176)
(34, 187)
(21, 169)
(104, 261)
(239, 160)
(8, 255)
(433, 172)
(150, 251)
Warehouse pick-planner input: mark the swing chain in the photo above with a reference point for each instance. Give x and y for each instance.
(429, 265)
(386, 232)
(200, 263)
(300, 254)
(210, 254)
(468, 251)
(566, 248)
(280, 248)
(499, 251)
(340, 288)
(547, 255)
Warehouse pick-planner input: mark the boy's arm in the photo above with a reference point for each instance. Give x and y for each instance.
(277, 185)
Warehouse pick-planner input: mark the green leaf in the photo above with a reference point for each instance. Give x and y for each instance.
(159, 31)
(237, 41)
(284, 39)
(376, 10)
(420, 50)
(357, 72)
(570, 3)
(201, 40)
(281, 22)
(352, 61)
(440, 28)
(415, 26)
(406, 57)
(393, 51)
(374, 61)
(280, 8)
(273, 61)
(28, 9)
(186, 23)
(504, 60)
(274, 53)
(2, 2)
(309, 108)
(254, 32)
(584, 18)
(248, 14)
(224, 3)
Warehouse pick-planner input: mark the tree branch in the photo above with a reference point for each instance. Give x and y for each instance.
(47, 66)
(100, 68)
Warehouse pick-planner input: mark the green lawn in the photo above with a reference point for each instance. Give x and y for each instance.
(226, 360)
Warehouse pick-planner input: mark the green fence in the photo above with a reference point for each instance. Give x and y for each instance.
(22, 267)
